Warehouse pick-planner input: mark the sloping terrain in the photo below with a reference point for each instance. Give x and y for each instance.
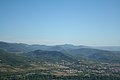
(81, 52)
(12, 59)
(50, 56)
(96, 54)
(61, 62)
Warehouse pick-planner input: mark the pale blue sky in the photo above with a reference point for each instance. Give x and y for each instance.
(79, 22)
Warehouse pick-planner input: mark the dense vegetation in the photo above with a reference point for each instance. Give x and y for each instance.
(12, 59)
(64, 62)
(16, 76)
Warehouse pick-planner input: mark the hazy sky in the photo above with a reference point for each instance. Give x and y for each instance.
(80, 22)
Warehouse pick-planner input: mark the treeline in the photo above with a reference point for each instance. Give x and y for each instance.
(31, 76)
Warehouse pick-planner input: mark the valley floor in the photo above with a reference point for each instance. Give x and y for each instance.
(64, 70)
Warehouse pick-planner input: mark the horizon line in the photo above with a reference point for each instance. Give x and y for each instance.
(59, 44)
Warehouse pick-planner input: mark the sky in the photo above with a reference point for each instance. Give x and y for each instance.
(51, 22)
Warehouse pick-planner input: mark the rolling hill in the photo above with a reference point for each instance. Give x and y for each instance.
(96, 54)
(12, 59)
(58, 52)
(52, 56)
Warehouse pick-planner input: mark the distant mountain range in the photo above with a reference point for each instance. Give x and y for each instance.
(109, 48)
(55, 53)
(20, 47)
(17, 47)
